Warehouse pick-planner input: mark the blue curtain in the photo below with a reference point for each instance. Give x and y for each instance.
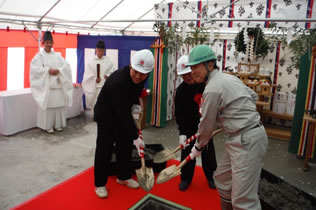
(124, 44)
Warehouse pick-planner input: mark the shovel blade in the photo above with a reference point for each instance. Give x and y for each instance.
(164, 156)
(146, 178)
(168, 173)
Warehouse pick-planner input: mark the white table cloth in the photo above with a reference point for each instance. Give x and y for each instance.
(18, 110)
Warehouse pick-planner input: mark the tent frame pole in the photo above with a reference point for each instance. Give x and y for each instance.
(113, 8)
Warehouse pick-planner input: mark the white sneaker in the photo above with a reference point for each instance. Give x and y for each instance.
(59, 129)
(101, 192)
(50, 131)
(131, 183)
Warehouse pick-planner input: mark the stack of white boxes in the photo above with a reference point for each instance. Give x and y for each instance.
(290, 106)
(283, 103)
(279, 102)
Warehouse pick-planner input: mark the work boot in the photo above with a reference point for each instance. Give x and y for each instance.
(101, 192)
(50, 131)
(211, 184)
(59, 129)
(184, 185)
(131, 183)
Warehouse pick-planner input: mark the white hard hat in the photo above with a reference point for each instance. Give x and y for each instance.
(181, 65)
(143, 61)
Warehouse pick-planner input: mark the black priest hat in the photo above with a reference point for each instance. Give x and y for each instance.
(47, 36)
(100, 44)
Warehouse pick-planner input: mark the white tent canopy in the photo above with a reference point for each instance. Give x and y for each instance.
(118, 16)
(65, 15)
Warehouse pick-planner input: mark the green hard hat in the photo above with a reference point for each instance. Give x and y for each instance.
(200, 54)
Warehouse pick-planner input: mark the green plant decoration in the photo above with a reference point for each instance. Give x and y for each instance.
(304, 40)
(261, 45)
(161, 29)
(278, 34)
(197, 36)
(170, 36)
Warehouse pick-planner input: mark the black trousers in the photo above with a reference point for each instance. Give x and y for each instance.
(107, 136)
(209, 163)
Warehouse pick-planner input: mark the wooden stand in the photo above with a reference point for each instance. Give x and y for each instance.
(244, 77)
(256, 65)
(252, 86)
(277, 133)
(312, 122)
(261, 103)
(264, 90)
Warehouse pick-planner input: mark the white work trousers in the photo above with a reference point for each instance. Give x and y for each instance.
(238, 173)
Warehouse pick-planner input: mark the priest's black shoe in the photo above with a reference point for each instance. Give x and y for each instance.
(211, 184)
(184, 185)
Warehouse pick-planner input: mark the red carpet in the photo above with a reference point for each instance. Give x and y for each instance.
(78, 193)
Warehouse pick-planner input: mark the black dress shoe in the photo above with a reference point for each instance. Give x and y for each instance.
(211, 184)
(184, 185)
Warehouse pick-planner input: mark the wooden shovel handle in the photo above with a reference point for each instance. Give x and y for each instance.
(142, 159)
(188, 158)
(188, 141)
(175, 150)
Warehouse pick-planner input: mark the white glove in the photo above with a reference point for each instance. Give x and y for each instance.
(182, 141)
(140, 145)
(196, 151)
(136, 111)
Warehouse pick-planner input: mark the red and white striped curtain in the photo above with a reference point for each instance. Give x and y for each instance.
(17, 49)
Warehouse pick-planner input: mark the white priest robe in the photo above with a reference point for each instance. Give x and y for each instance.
(90, 87)
(52, 93)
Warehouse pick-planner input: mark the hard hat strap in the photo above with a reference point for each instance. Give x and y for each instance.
(206, 66)
(207, 69)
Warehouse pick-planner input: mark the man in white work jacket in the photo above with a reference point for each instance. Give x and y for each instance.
(231, 104)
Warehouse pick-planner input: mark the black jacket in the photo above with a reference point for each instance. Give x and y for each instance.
(113, 106)
(186, 109)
